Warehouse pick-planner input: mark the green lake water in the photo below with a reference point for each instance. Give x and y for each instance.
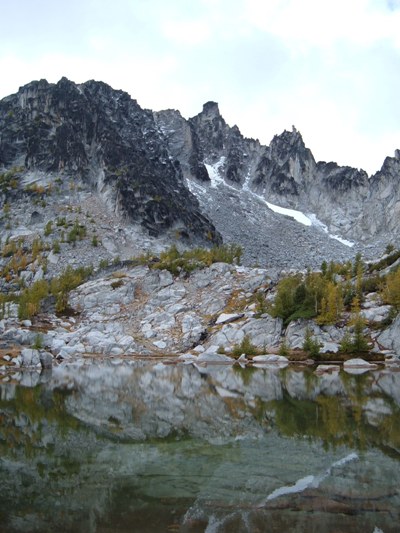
(144, 447)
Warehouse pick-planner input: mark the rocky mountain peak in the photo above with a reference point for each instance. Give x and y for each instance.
(287, 143)
(211, 110)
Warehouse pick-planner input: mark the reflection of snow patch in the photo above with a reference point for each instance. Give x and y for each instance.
(308, 481)
(299, 486)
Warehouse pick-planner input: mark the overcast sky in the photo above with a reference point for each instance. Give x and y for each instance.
(331, 68)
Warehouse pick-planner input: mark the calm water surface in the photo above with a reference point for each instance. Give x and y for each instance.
(140, 447)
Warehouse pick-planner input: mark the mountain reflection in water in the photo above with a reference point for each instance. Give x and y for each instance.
(137, 446)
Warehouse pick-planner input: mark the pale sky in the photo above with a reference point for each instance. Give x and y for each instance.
(331, 68)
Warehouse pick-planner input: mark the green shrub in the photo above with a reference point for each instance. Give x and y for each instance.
(311, 345)
(390, 291)
(103, 264)
(78, 231)
(61, 221)
(356, 341)
(9, 249)
(246, 347)
(261, 304)
(9, 180)
(284, 349)
(38, 342)
(346, 344)
(48, 228)
(56, 246)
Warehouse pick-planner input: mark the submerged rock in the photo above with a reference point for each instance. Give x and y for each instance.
(322, 369)
(208, 357)
(358, 366)
(270, 360)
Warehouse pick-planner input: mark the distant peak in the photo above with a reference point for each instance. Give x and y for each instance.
(289, 137)
(211, 108)
(64, 80)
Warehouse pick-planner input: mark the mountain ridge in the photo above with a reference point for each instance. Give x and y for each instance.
(286, 173)
(153, 168)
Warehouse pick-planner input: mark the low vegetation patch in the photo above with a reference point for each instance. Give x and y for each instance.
(245, 347)
(189, 260)
(31, 299)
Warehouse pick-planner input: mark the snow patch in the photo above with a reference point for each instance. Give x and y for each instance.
(297, 215)
(343, 241)
(307, 220)
(317, 223)
(214, 174)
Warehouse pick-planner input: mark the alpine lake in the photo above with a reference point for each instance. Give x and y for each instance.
(150, 446)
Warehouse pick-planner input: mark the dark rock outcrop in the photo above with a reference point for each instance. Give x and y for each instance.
(106, 139)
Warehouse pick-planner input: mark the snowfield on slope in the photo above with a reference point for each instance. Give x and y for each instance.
(307, 220)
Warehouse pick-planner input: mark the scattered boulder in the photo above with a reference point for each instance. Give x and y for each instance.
(214, 358)
(390, 338)
(226, 318)
(30, 358)
(46, 359)
(270, 360)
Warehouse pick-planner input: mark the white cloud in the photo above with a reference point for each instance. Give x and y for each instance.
(324, 24)
(330, 68)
